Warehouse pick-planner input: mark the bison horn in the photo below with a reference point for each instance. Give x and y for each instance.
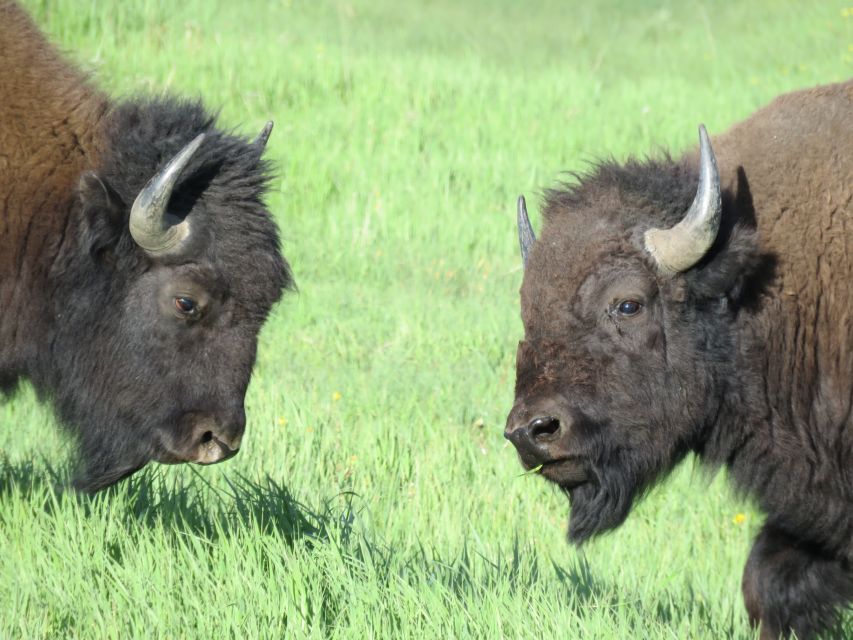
(526, 237)
(152, 227)
(679, 248)
(261, 141)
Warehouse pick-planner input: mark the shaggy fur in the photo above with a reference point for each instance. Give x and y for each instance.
(87, 315)
(745, 359)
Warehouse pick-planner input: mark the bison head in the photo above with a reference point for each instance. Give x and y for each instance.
(170, 271)
(628, 303)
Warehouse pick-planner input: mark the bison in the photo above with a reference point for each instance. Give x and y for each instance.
(705, 304)
(137, 262)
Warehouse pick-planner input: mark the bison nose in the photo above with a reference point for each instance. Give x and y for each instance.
(219, 440)
(532, 439)
(211, 436)
(540, 428)
(537, 430)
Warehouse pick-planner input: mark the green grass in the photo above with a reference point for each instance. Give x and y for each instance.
(375, 496)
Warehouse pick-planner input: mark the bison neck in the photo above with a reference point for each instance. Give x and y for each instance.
(787, 432)
(49, 134)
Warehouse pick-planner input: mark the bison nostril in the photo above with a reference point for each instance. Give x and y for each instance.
(543, 427)
(206, 437)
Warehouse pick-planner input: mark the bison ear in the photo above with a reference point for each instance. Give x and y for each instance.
(103, 215)
(728, 270)
(734, 266)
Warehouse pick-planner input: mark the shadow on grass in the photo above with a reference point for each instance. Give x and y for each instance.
(180, 505)
(28, 479)
(258, 507)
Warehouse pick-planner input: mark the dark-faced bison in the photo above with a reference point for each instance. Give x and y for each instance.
(137, 262)
(705, 304)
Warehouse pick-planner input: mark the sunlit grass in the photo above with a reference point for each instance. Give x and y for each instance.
(375, 496)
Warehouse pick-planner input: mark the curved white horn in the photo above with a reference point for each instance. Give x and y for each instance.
(682, 246)
(152, 227)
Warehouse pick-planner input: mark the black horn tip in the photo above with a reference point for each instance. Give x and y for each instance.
(526, 237)
(264, 135)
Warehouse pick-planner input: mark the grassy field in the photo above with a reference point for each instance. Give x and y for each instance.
(375, 496)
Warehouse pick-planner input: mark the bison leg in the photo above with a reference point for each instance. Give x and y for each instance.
(790, 586)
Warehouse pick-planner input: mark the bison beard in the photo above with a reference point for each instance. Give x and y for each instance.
(604, 502)
(137, 263)
(725, 331)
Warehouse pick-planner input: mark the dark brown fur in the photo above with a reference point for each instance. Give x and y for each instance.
(746, 359)
(51, 132)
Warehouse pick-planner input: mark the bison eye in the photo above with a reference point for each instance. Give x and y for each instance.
(186, 306)
(629, 308)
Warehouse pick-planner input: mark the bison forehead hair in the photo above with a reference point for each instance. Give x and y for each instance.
(222, 188)
(606, 211)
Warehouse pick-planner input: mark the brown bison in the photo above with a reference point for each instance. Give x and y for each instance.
(726, 331)
(137, 262)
